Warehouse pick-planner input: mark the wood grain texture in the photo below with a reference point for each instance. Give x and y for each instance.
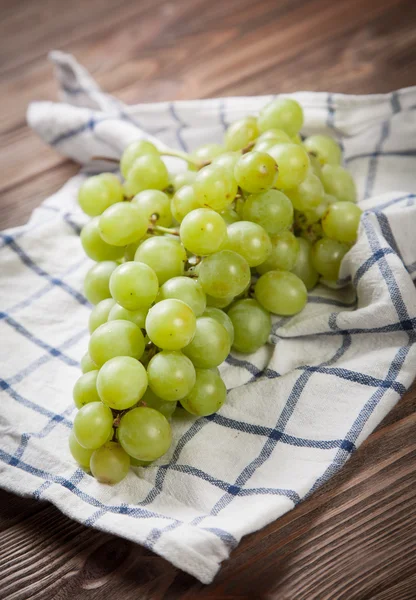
(355, 538)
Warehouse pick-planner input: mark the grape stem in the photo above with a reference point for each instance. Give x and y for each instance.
(106, 159)
(191, 272)
(249, 147)
(184, 156)
(163, 229)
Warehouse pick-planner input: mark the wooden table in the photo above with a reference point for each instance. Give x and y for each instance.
(355, 538)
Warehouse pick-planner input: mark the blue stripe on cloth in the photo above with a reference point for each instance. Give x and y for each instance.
(384, 134)
(71, 133)
(381, 207)
(74, 226)
(221, 113)
(282, 421)
(372, 164)
(392, 327)
(255, 371)
(410, 153)
(372, 260)
(47, 288)
(331, 120)
(270, 432)
(75, 479)
(357, 377)
(50, 349)
(393, 371)
(46, 430)
(46, 358)
(26, 260)
(132, 511)
(180, 128)
(331, 301)
(387, 232)
(29, 404)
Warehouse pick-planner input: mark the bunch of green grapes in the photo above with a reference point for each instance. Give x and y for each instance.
(188, 266)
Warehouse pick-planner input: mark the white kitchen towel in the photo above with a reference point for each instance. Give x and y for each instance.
(296, 409)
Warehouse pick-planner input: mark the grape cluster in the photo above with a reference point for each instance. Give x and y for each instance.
(191, 265)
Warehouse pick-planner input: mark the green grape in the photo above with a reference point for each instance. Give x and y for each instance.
(316, 167)
(224, 274)
(152, 401)
(154, 203)
(148, 172)
(80, 454)
(281, 293)
(203, 231)
(133, 152)
(134, 285)
(94, 246)
(216, 187)
(210, 346)
(166, 256)
(283, 113)
(219, 302)
(121, 382)
(110, 463)
(249, 240)
(251, 324)
(182, 179)
(327, 256)
(330, 199)
(277, 135)
(122, 224)
(310, 217)
(241, 133)
(230, 216)
(293, 164)
(304, 268)
(308, 195)
(97, 193)
(341, 221)
(87, 364)
(227, 160)
(186, 289)
(131, 249)
(144, 433)
(207, 396)
(184, 201)
(207, 152)
(99, 313)
(97, 281)
(325, 148)
(312, 233)
(92, 425)
(171, 375)
(339, 183)
(138, 317)
(222, 318)
(171, 324)
(255, 172)
(272, 210)
(265, 145)
(296, 139)
(85, 389)
(116, 338)
(285, 249)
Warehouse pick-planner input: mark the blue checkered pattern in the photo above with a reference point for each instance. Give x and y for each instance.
(296, 409)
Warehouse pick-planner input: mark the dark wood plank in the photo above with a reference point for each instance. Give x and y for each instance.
(355, 538)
